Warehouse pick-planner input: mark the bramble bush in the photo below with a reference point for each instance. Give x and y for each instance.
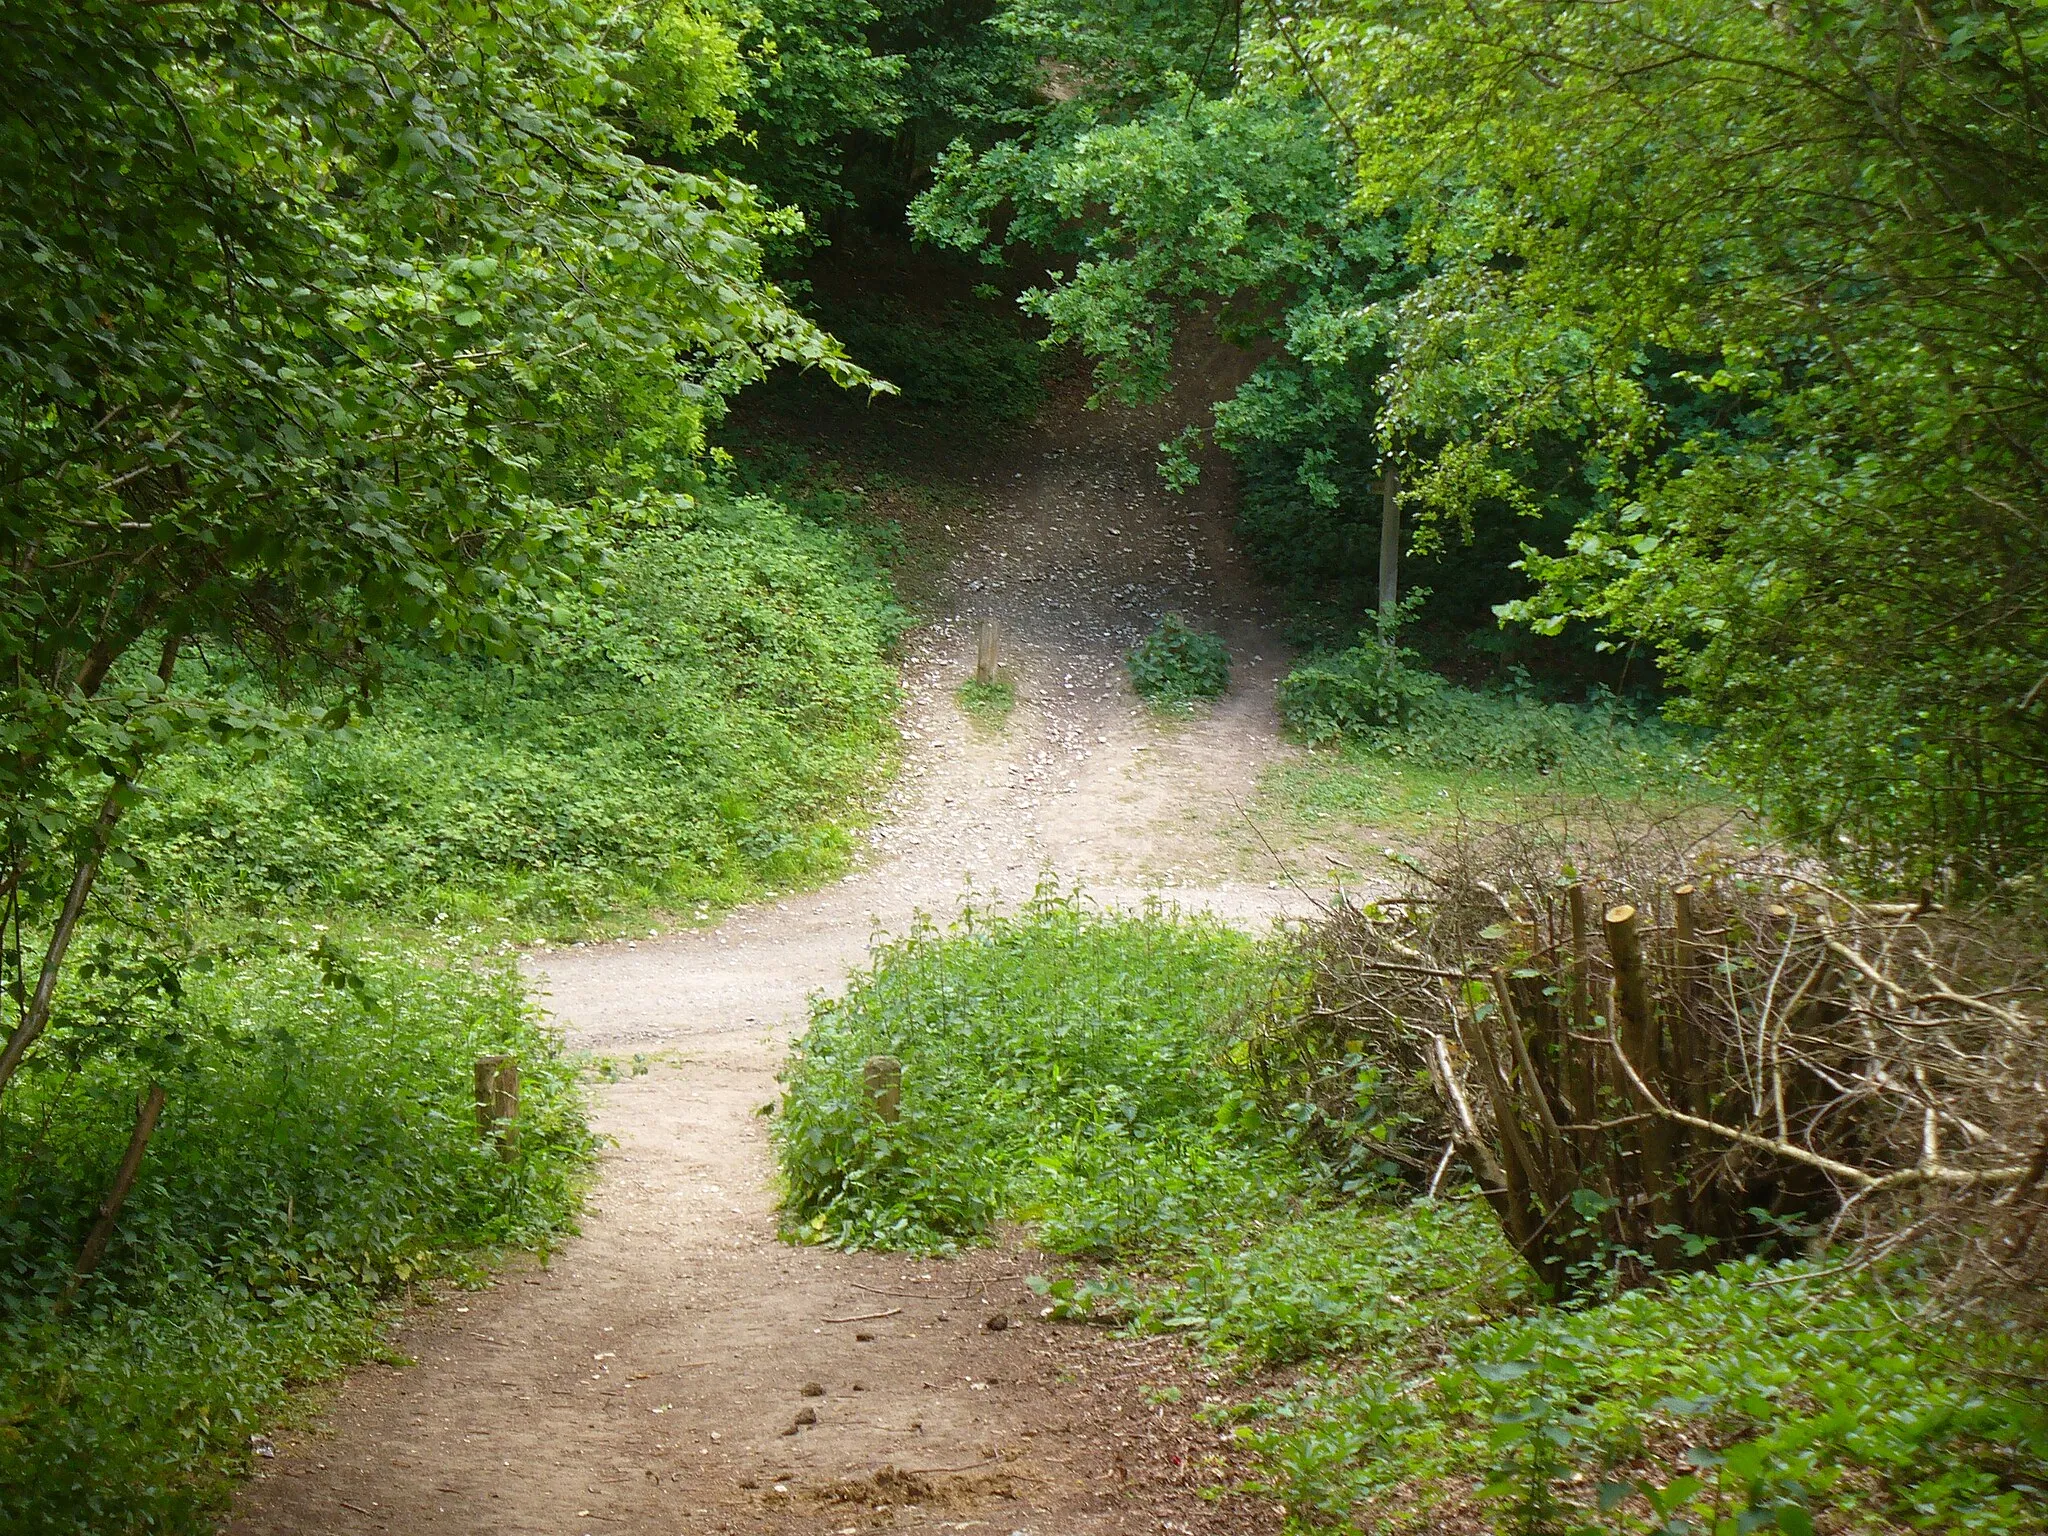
(1374, 685)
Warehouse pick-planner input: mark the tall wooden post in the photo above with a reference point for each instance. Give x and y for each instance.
(1685, 1041)
(1581, 1081)
(1636, 1026)
(1390, 540)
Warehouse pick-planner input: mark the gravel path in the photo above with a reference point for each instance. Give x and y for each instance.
(676, 1368)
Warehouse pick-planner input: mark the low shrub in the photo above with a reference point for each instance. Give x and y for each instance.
(1330, 1280)
(1062, 1062)
(1754, 1397)
(1177, 664)
(1370, 687)
(1510, 732)
(318, 1157)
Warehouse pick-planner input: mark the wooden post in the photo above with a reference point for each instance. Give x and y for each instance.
(1632, 991)
(1525, 1178)
(1686, 1071)
(1579, 1078)
(1579, 1071)
(883, 1077)
(1536, 1090)
(505, 1107)
(1636, 1027)
(1390, 540)
(987, 648)
(487, 1093)
(149, 1109)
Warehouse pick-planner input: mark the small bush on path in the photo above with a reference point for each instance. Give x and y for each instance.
(1177, 664)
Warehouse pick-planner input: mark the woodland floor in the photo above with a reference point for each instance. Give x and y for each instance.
(652, 1377)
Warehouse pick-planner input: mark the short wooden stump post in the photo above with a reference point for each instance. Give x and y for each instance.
(987, 652)
(497, 1102)
(883, 1077)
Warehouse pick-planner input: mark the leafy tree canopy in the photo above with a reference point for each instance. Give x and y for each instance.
(324, 325)
(1742, 304)
(1829, 517)
(834, 107)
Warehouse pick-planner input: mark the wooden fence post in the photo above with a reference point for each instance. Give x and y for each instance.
(1686, 1073)
(487, 1093)
(987, 652)
(497, 1102)
(505, 1108)
(1636, 1028)
(883, 1078)
(148, 1111)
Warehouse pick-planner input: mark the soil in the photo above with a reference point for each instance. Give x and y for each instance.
(677, 1368)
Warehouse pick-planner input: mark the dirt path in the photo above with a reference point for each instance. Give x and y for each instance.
(653, 1377)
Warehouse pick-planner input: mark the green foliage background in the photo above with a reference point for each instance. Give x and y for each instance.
(709, 720)
(359, 561)
(1701, 333)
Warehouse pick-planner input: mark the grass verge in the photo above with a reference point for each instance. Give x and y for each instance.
(987, 704)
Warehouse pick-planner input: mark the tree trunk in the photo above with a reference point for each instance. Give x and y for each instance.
(37, 1015)
(1390, 541)
(147, 1112)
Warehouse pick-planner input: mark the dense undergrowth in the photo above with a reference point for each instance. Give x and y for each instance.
(1378, 696)
(1093, 1074)
(704, 725)
(1063, 1062)
(317, 1160)
(1400, 746)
